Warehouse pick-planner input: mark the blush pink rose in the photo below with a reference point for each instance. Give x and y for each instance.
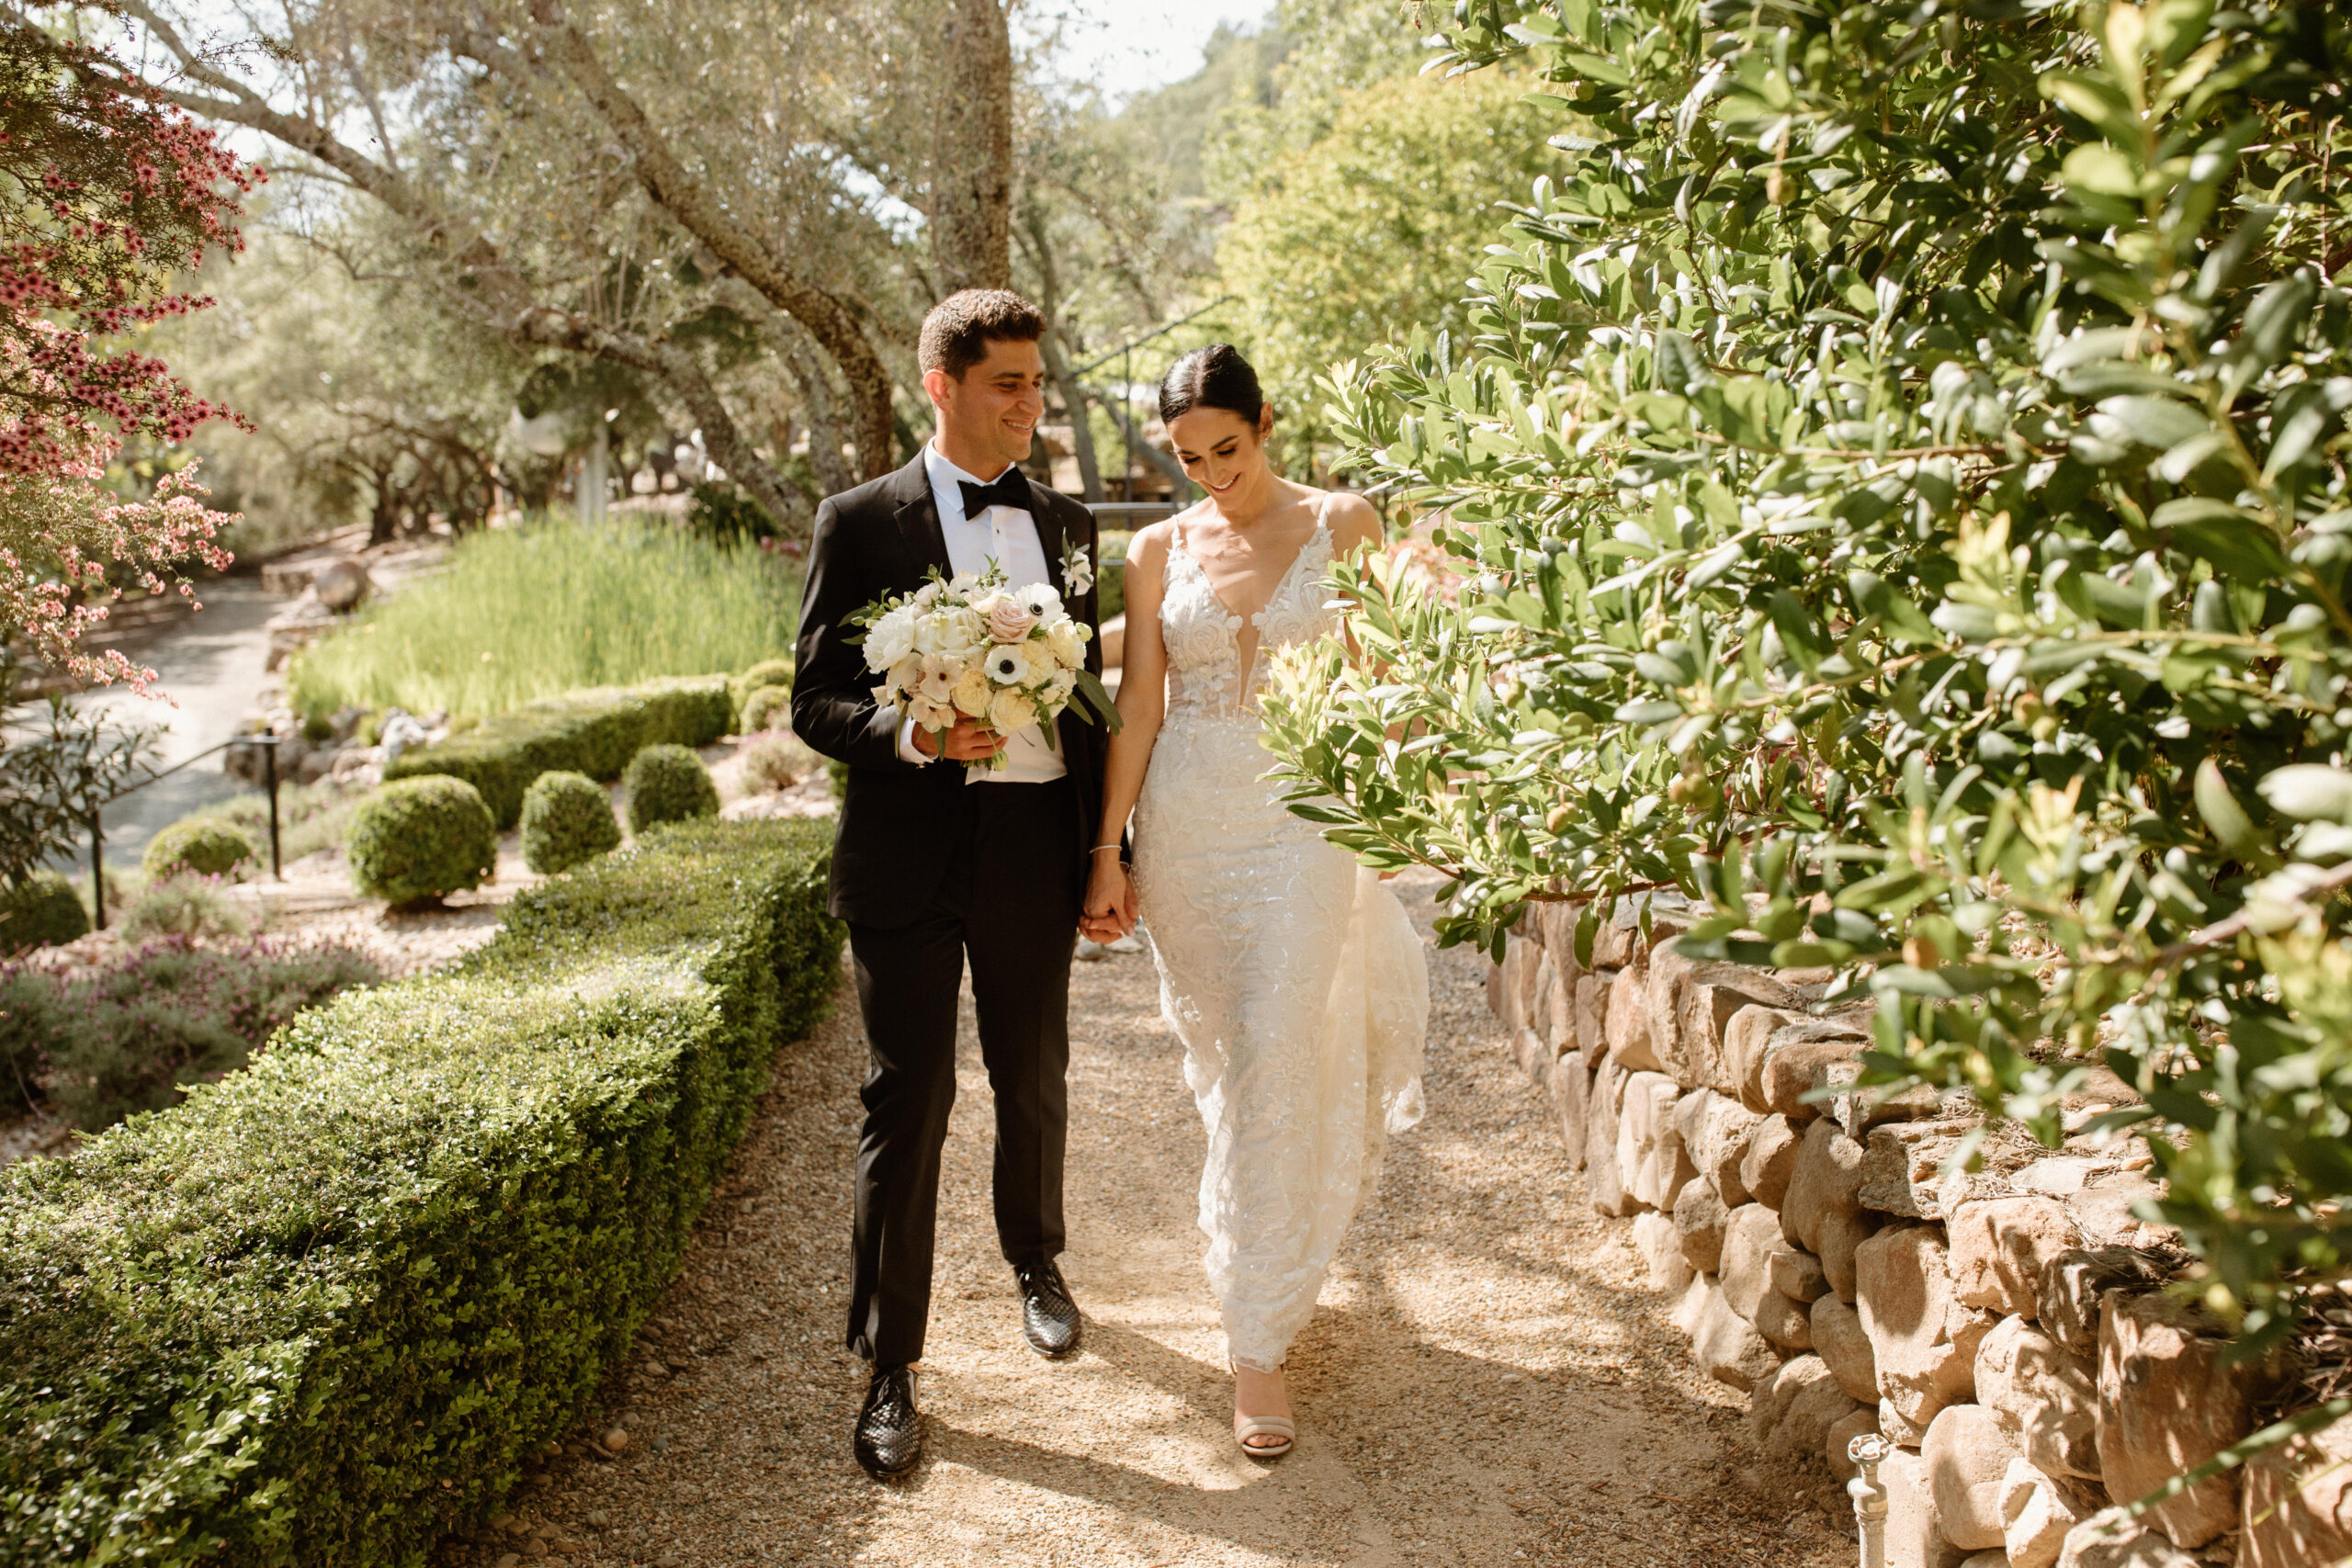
(1009, 620)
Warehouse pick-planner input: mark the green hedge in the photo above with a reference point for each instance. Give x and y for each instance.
(594, 732)
(321, 1312)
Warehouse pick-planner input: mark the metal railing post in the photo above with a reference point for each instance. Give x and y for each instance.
(269, 768)
(98, 873)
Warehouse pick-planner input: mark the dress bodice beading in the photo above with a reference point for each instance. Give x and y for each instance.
(1216, 659)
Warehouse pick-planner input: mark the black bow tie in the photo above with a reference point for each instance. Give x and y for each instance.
(1010, 490)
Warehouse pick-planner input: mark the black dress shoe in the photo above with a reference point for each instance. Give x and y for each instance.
(889, 1428)
(1048, 1318)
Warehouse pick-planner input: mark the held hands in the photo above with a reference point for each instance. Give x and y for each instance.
(969, 741)
(1110, 901)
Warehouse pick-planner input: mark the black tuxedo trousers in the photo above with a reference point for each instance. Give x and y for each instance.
(1007, 903)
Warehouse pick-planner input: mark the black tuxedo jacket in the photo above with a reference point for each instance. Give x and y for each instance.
(884, 537)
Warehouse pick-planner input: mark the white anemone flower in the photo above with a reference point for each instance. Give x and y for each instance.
(1005, 664)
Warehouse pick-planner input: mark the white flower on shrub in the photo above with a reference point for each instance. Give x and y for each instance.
(1006, 664)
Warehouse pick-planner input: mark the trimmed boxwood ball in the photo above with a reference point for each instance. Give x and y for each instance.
(419, 839)
(768, 674)
(41, 911)
(668, 784)
(767, 708)
(566, 818)
(200, 847)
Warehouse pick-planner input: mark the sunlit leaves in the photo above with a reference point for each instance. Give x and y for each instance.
(1898, 479)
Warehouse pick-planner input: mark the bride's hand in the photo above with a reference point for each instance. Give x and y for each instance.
(1110, 901)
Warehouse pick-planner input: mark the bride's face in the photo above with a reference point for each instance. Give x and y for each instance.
(1223, 453)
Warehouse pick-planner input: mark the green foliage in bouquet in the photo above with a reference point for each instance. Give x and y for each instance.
(567, 819)
(419, 839)
(667, 784)
(1898, 474)
(198, 846)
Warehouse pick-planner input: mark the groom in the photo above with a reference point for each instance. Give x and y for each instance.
(935, 864)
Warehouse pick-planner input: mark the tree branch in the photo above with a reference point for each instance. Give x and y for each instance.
(665, 179)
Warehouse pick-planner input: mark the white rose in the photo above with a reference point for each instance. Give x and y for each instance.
(1067, 639)
(1012, 711)
(1043, 665)
(928, 595)
(930, 631)
(1005, 664)
(1055, 694)
(891, 639)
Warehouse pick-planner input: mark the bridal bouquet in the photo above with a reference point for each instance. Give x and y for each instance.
(970, 646)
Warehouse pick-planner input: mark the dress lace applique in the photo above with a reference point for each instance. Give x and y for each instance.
(1291, 975)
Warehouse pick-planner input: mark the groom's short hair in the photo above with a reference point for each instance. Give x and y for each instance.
(957, 333)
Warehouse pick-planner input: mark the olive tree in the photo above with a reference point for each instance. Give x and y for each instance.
(1898, 476)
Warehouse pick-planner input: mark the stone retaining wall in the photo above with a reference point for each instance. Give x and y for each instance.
(1999, 1328)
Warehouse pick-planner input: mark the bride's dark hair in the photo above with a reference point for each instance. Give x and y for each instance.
(1212, 377)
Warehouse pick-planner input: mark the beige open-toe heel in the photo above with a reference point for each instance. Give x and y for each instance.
(1248, 1427)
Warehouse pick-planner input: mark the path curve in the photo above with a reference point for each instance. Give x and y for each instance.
(1487, 1381)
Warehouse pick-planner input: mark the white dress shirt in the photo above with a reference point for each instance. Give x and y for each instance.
(1008, 536)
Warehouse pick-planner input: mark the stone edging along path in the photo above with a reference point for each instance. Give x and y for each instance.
(2000, 1329)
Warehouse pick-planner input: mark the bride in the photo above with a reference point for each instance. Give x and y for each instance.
(1289, 973)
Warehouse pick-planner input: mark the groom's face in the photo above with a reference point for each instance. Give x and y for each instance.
(993, 411)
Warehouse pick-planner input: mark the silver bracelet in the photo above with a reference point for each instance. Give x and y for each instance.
(1099, 848)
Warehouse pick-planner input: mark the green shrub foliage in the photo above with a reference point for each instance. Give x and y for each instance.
(594, 732)
(422, 837)
(567, 819)
(201, 846)
(41, 911)
(767, 708)
(184, 906)
(667, 784)
(1898, 469)
(321, 1312)
(766, 675)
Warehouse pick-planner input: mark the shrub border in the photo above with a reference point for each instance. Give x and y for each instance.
(594, 731)
(321, 1313)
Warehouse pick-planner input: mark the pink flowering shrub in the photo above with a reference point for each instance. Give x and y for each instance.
(105, 194)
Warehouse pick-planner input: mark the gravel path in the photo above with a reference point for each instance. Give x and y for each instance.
(1488, 1380)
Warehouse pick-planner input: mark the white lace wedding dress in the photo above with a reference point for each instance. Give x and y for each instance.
(1291, 973)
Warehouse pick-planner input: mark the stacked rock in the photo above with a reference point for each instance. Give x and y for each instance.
(2001, 1327)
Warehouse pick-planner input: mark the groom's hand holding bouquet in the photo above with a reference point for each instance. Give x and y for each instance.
(973, 661)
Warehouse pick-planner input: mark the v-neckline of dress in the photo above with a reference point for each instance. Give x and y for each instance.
(1257, 618)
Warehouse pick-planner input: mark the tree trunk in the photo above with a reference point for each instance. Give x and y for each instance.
(1081, 427)
(971, 153)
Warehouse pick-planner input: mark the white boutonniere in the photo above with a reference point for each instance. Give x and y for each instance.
(1078, 571)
